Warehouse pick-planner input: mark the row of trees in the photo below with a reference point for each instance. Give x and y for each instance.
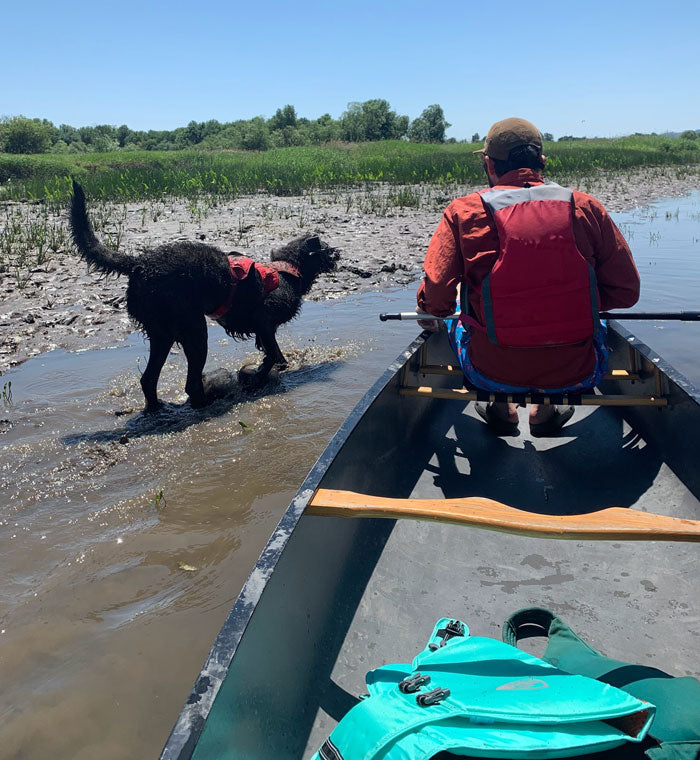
(371, 120)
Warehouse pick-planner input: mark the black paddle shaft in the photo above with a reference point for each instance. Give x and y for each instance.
(678, 316)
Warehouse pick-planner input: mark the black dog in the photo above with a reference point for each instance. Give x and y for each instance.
(174, 286)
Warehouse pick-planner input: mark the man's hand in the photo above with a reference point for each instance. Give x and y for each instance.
(431, 325)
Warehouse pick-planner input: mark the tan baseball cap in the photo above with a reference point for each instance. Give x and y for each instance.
(508, 134)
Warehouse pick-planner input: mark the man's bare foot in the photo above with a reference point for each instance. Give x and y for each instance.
(540, 413)
(548, 420)
(502, 418)
(507, 411)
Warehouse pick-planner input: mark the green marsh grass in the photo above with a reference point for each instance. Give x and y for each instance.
(29, 237)
(135, 176)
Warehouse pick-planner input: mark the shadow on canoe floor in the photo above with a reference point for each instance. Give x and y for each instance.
(596, 462)
(593, 465)
(220, 385)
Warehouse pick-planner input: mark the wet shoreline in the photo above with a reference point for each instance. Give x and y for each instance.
(382, 244)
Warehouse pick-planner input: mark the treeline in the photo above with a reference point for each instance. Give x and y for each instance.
(362, 122)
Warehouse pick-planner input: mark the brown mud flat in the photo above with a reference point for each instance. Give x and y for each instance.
(382, 243)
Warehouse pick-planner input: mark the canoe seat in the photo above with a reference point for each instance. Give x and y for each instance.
(632, 375)
(449, 369)
(567, 399)
(611, 524)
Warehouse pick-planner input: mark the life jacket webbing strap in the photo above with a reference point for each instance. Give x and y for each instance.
(284, 266)
(488, 309)
(329, 751)
(593, 282)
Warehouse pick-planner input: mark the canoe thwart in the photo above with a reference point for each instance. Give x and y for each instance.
(610, 524)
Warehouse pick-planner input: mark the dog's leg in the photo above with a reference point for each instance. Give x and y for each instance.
(160, 345)
(266, 341)
(273, 356)
(194, 344)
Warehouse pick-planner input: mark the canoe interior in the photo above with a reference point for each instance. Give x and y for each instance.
(348, 595)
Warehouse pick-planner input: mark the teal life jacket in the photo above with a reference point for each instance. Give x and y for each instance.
(483, 698)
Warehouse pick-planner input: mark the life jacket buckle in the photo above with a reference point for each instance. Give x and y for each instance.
(412, 684)
(432, 697)
(452, 630)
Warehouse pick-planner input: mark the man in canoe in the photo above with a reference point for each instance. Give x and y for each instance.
(533, 263)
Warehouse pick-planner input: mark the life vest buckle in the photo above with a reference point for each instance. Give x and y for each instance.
(432, 697)
(452, 630)
(412, 684)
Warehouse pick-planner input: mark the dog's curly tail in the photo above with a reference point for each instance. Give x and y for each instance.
(97, 255)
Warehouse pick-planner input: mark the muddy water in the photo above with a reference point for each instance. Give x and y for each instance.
(124, 540)
(112, 593)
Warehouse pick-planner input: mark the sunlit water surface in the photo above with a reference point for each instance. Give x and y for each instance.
(124, 540)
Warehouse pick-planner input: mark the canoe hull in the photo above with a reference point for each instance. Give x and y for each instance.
(331, 598)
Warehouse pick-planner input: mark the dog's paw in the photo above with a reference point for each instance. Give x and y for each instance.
(252, 376)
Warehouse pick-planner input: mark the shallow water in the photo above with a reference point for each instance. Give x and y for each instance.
(665, 241)
(125, 540)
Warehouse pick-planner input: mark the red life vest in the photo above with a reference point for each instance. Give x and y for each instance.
(240, 268)
(541, 290)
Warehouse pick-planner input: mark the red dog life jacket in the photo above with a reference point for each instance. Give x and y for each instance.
(541, 290)
(240, 268)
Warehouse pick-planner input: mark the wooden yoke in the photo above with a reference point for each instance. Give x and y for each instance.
(611, 524)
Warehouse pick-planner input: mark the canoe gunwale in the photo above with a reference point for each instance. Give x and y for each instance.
(656, 360)
(190, 723)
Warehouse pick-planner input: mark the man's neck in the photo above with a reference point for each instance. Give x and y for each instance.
(518, 178)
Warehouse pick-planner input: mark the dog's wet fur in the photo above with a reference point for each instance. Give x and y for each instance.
(172, 287)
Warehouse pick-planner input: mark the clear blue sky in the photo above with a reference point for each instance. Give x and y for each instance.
(573, 67)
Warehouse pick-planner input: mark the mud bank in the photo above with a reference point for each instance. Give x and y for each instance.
(382, 233)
